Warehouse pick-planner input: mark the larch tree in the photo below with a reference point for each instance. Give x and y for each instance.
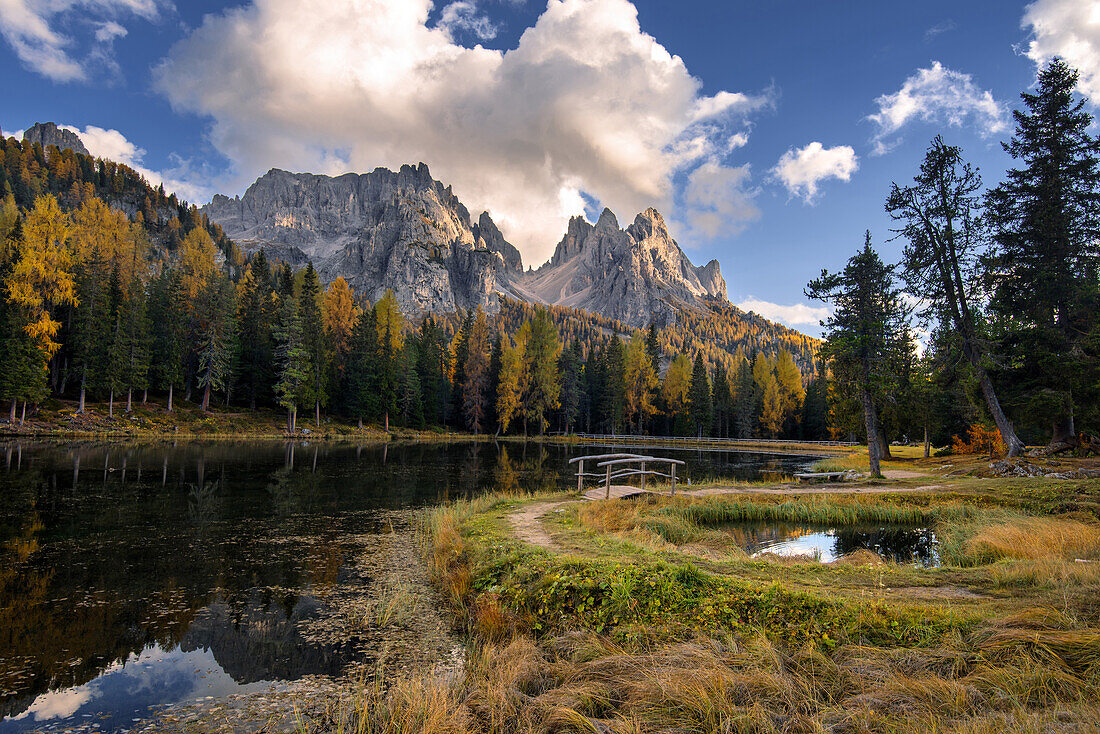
(340, 313)
(676, 391)
(475, 388)
(641, 382)
(543, 347)
(509, 402)
(940, 216)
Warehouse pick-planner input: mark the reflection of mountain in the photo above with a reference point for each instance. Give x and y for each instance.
(263, 642)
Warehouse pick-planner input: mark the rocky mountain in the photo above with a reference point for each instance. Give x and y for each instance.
(48, 133)
(405, 231)
(380, 230)
(636, 275)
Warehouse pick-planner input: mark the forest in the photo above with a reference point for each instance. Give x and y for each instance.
(985, 333)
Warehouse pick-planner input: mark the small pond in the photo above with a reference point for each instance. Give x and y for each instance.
(138, 576)
(895, 543)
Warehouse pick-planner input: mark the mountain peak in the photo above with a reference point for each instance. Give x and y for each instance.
(607, 220)
(48, 133)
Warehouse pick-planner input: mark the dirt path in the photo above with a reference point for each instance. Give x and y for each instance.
(528, 527)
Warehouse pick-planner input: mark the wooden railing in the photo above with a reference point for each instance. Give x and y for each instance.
(633, 465)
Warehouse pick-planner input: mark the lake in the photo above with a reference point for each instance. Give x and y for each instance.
(134, 577)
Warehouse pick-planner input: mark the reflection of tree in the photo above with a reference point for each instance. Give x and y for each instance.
(903, 545)
(202, 504)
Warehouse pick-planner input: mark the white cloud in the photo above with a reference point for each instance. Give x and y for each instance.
(938, 95)
(462, 15)
(31, 28)
(798, 314)
(1069, 29)
(803, 169)
(718, 200)
(113, 145)
(586, 102)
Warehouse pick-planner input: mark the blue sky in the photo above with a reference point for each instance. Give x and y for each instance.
(768, 133)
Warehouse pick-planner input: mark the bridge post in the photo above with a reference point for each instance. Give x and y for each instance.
(580, 476)
(643, 476)
(607, 486)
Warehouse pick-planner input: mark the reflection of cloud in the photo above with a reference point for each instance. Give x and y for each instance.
(122, 690)
(57, 704)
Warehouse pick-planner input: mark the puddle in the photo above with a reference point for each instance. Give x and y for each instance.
(895, 543)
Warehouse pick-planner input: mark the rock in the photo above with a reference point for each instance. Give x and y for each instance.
(48, 133)
(638, 275)
(408, 233)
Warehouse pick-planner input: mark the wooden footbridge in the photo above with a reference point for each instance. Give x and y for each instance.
(620, 467)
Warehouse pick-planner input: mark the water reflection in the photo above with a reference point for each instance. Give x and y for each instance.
(120, 561)
(896, 543)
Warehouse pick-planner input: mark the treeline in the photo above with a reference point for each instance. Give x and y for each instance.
(27, 171)
(93, 310)
(1007, 280)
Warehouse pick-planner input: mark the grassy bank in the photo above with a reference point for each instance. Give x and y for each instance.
(646, 617)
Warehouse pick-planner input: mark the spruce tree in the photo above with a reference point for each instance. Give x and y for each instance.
(1046, 222)
(867, 318)
(315, 388)
(700, 405)
(945, 235)
(364, 363)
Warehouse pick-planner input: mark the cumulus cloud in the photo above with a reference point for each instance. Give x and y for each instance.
(798, 314)
(113, 145)
(938, 95)
(1069, 29)
(31, 27)
(718, 200)
(586, 103)
(803, 169)
(462, 15)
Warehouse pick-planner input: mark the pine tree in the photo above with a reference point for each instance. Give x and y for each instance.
(255, 310)
(941, 222)
(291, 358)
(867, 319)
(571, 369)
(613, 396)
(700, 405)
(410, 398)
(723, 401)
(91, 321)
(363, 392)
(475, 372)
(216, 345)
(745, 404)
(315, 387)
(135, 325)
(118, 349)
(168, 315)
(1046, 219)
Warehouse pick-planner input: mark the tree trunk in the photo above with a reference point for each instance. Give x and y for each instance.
(289, 421)
(83, 384)
(206, 398)
(1063, 437)
(870, 418)
(387, 421)
(360, 423)
(317, 408)
(129, 399)
(926, 446)
(111, 405)
(170, 390)
(144, 396)
(11, 417)
(1013, 444)
(23, 415)
(884, 445)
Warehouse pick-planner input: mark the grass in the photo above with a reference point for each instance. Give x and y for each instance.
(621, 629)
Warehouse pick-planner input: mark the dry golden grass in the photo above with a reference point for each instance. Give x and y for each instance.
(1035, 538)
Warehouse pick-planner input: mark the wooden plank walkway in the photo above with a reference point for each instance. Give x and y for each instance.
(618, 492)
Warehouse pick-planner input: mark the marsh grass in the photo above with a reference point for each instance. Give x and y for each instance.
(1035, 538)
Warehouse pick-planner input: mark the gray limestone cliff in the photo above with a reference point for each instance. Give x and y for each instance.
(404, 231)
(47, 134)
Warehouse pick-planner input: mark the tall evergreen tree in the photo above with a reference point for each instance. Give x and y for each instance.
(571, 369)
(1046, 219)
(216, 345)
(745, 404)
(364, 363)
(867, 318)
(700, 404)
(940, 216)
(723, 401)
(315, 387)
(291, 357)
(168, 316)
(255, 310)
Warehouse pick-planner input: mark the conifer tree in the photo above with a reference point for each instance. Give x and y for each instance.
(723, 401)
(91, 322)
(291, 358)
(255, 310)
(640, 381)
(510, 386)
(867, 319)
(700, 405)
(475, 372)
(216, 345)
(541, 352)
(135, 325)
(676, 391)
(364, 364)
(940, 216)
(571, 369)
(314, 388)
(745, 405)
(613, 385)
(168, 315)
(1046, 220)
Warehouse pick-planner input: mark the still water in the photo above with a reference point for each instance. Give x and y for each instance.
(895, 543)
(133, 576)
